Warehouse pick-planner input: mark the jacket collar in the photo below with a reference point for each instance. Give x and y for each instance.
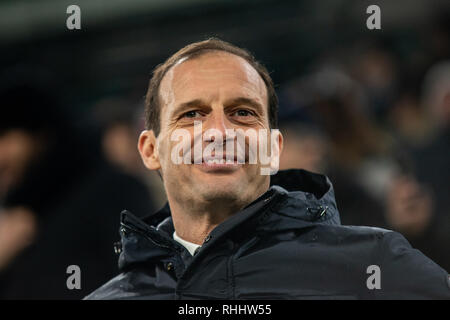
(296, 199)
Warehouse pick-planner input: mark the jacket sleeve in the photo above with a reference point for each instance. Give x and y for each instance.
(406, 273)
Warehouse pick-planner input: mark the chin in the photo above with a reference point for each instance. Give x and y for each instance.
(225, 190)
(221, 195)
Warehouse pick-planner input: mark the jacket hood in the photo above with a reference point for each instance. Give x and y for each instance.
(296, 199)
(309, 197)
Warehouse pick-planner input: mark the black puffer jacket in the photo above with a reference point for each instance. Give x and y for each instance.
(285, 245)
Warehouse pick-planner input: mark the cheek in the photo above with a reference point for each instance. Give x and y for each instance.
(167, 150)
(164, 156)
(161, 148)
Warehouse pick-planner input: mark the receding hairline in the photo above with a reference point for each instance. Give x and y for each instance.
(153, 105)
(202, 53)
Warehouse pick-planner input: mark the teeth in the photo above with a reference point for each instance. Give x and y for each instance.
(214, 161)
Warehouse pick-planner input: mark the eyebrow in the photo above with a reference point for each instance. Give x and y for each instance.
(229, 103)
(192, 103)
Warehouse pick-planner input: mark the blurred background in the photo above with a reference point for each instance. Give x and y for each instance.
(368, 108)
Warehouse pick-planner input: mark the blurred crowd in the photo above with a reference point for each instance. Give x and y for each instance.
(60, 195)
(378, 124)
(374, 120)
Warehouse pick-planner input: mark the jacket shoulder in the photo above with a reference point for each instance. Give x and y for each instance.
(116, 288)
(356, 233)
(364, 230)
(408, 273)
(138, 282)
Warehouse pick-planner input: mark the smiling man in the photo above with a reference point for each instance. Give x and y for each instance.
(225, 232)
(224, 92)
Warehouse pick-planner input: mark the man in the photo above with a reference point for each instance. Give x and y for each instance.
(225, 233)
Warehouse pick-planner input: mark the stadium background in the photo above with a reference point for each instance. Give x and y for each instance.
(369, 108)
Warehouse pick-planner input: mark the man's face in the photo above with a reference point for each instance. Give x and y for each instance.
(223, 92)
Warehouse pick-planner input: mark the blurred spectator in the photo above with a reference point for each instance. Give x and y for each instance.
(304, 147)
(60, 202)
(334, 103)
(432, 160)
(373, 178)
(408, 121)
(308, 148)
(119, 133)
(337, 104)
(436, 94)
(121, 122)
(409, 207)
(375, 69)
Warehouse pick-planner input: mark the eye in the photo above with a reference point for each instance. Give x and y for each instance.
(191, 114)
(242, 113)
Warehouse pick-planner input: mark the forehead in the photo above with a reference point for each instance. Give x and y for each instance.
(210, 76)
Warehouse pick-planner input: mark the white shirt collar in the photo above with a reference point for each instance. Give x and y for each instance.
(191, 247)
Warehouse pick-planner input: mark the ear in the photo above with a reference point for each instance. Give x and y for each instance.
(280, 143)
(148, 149)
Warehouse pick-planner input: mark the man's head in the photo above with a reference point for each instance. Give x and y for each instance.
(153, 102)
(28, 119)
(223, 88)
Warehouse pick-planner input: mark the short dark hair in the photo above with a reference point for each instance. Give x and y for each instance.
(196, 49)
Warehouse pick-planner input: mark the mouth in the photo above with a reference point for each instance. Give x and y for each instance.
(212, 164)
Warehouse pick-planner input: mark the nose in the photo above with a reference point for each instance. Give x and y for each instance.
(217, 121)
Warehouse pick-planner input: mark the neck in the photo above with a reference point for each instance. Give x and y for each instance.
(194, 221)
